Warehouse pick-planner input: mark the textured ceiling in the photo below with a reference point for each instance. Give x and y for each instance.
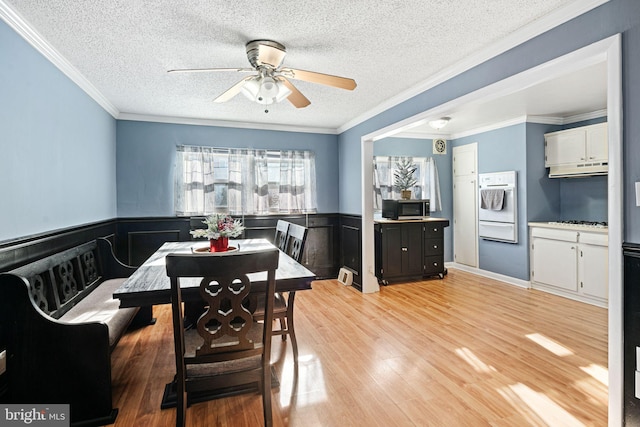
(125, 47)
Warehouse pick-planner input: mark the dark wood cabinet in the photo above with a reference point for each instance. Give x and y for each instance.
(631, 318)
(433, 249)
(409, 250)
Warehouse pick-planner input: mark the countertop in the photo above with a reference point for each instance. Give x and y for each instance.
(572, 227)
(397, 221)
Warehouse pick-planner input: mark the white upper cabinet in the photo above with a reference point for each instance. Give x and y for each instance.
(597, 146)
(579, 146)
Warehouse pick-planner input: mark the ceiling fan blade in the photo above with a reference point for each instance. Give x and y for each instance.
(233, 91)
(295, 97)
(323, 79)
(207, 70)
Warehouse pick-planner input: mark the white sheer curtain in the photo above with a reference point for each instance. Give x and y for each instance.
(432, 186)
(244, 181)
(194, 185)
(297, 192)
(260, 184)
(427, 187)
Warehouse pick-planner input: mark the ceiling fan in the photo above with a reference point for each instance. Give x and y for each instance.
(271, 83)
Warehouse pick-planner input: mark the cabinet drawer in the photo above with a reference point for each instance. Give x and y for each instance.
(600, 239)
(433, 231)
(433, 247)
(433, 264)
(554, 234)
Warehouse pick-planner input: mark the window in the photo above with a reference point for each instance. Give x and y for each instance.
(426, 174)
(244, 181)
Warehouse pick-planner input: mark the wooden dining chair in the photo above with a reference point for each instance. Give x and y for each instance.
(280, 239)
(296, 238)
(227, 347)
(283, 304)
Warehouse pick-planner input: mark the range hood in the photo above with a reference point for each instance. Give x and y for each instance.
(579, 170)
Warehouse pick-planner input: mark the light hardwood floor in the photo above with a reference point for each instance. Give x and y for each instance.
(463, 351)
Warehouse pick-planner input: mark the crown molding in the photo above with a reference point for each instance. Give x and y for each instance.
(585, 116)
(488, 128)
(520, 36)
(35, 39)
(547, 120)
(418, 135)
(223, 123)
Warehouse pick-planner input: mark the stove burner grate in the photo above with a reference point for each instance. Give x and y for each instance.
(581, 222)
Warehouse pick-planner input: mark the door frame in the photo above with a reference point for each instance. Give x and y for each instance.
(608, 50)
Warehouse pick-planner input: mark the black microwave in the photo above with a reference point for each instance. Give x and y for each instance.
(405, 209)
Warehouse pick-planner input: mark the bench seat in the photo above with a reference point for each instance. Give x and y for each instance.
(60, 323)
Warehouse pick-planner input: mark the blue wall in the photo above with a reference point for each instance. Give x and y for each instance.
(584, 198)
(58, 157)
(543, 193)
(146, 160)
(616, 16)
(424, 148)
(503, 150)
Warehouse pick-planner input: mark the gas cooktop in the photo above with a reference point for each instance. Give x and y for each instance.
(580, 223)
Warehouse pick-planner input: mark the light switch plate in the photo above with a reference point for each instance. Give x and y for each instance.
(637, 193)
(637, 385)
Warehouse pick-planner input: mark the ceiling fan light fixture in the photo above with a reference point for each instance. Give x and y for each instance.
(283, 92)
(271, 85)
(251, 89)
(439, 123)
(268, 88)
(265, 90)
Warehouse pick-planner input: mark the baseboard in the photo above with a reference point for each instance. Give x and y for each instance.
(491, 275)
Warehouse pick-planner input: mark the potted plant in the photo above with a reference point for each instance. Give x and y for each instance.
(220, 227)
(403, 177)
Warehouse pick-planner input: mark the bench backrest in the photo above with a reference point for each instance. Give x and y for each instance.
(60, 281)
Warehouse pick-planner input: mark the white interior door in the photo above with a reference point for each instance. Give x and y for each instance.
(465, 193)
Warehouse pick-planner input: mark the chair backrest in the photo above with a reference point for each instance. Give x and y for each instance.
(296, 238)
(224, 327)
(280, 239)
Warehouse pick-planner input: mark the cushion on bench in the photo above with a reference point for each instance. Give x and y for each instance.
(99, 306)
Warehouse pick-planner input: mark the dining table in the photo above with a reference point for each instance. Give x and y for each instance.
(149, 285)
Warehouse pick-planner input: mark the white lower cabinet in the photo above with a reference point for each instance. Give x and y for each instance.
(594, 271)
(555, 263)
(573, 264)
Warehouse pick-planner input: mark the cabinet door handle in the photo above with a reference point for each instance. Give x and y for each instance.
(591, 157)
(404, 249)
(573, 247)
